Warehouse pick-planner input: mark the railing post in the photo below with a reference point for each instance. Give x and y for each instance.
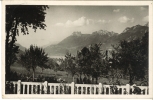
(104, 90)
(58, 89)
(54, 89)
(19, 87)
(72, 87)
(14, 88)
(86, 90)
(146, 90)
(100, 88)
(45, 87)
(94, 90)
(82, 90)
(123, 91)
(90, 90)
(32, 89)
(128, 88)
(109, 90)
(40, 91)
(27, 88)
(23, 88)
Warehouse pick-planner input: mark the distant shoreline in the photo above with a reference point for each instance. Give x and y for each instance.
(57, 57)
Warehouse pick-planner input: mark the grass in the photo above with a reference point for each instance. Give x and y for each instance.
(61, 74)
(46, 72)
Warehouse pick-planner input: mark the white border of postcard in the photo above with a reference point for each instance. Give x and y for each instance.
(85, 3)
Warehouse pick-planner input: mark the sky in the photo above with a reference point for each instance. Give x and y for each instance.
(62, 21)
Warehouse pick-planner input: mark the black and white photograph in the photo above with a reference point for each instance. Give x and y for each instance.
(80, 49)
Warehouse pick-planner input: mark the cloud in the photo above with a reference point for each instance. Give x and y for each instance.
(59, 24)
(116, 10)
(69, 23)
(142, 8)
(82, 21)
(103, 21)
(125, 19)
(79, 22)
(146, 19)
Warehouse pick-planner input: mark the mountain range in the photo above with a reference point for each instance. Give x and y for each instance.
(77, 40)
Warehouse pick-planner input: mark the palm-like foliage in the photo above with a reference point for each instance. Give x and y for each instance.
(33, 57)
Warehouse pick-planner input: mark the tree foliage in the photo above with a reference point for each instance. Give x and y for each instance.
(18, 19)
(34, 57)
(70, 64)
(90, 61)
(52, 64)
(132, 57)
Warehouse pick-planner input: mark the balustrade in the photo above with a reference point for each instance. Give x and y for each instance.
(72, 88)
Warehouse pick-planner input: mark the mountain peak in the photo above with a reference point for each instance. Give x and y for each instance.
(104, 32)
(134, 28)
(76, 33)
(147, 24)
(131, 33)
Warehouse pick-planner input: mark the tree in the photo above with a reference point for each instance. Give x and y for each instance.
(96, 61)
(83, 62)
(90, 62)
(132, 57)
(18, 19)
(70, 65)
(53, 65)
(114, 62)
(33, 57)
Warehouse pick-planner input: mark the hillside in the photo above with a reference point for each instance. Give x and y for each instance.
(133, 32)
(78, 40)
(21, 49)
(20, 46)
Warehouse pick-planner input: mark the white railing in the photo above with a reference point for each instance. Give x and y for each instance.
(72, 88)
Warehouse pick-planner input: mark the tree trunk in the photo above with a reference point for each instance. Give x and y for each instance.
(96, 80)
(67, 74)
(131, 75)
(33, 75)
(7, 74)
(13, 39)
(92, 80)
(7, 67)
(55, 73)
(73, 78)
(8, 53)
(80, 79)
(131, 79)
(42, 72)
